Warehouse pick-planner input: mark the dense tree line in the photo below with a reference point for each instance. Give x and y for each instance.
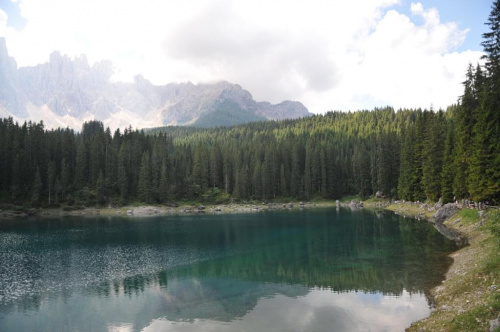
(410, 154)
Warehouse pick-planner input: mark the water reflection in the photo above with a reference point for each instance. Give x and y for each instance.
(316, 311)
(283, 270)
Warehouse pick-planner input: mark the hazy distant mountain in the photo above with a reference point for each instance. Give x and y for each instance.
(66, 92)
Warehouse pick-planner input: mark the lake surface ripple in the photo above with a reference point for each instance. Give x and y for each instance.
(313, 270)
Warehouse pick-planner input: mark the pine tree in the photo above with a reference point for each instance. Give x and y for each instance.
(465, 123)
(144, 187)
(51, 175)
(484, 181)
(100, 189)
(418, 155)
(257, 180)
(448, 172)
(491, 43)
(407, 166)
(200, 167)
(15, 184)
(432, 155)
(81, 165)
(65, 177)
(123, 183)
(164, 182)
(283, 182)
(215, 167)
(57, 188)
(37, 189)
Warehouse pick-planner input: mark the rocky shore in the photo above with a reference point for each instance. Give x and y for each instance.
(159, 210)
(469, 297)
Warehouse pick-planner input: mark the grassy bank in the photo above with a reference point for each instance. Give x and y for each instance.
(469, 297)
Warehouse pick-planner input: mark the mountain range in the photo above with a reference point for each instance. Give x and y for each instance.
(65, 92)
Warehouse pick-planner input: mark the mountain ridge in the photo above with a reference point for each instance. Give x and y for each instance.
(65, 92)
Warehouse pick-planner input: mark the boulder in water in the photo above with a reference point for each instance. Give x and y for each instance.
(355, 204)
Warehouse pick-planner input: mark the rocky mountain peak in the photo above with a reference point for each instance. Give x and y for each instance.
(67, 91)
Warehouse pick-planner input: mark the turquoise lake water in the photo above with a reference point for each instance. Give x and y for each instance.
(310, 270)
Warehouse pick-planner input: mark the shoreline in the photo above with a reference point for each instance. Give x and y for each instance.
(163, 210)
(144, 210)
(468, 299)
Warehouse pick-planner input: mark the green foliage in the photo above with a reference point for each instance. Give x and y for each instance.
(448, 170)
(468, 216)
(476, 319)
(494, 223)
(407, 166)
(216, 196)
(37, 189)
(100, 190)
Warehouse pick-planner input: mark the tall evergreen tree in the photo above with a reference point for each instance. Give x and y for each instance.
(37, 189)
(100, 189)
(485, 173)
(15, 184)
(164, 190)
(465, 119)
(51, 176)
(144, 189)
(432, 156)
(81, 164)
(65, 177)
(448, 172)
(407, 167)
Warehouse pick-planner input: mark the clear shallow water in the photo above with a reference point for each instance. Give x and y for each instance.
(316, 270)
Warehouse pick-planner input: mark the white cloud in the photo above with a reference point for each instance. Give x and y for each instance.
(3, 18)
(327, 54)
(416, 8)
(319, 310)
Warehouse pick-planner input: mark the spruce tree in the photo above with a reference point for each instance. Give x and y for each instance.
(164, 182)
(123, 183)
(37, 189)
(449, 170)
(432, 155)
(51, 175)
(15, 184)
(100, 189)
(65, 177)
(81, 164)
(485, 173)
(407, 166)
(144, 187)
(465, 120)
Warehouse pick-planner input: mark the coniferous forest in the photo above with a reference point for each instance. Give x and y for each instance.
(410, 154)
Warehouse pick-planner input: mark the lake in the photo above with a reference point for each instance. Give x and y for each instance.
(309, 270)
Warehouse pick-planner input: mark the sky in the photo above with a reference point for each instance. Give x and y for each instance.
(328, 54)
